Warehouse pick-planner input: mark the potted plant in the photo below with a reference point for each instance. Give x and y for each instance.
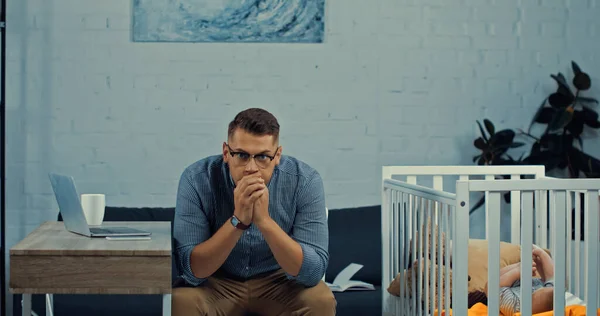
(567, 113)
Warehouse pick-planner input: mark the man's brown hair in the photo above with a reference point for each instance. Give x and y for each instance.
(255, 121)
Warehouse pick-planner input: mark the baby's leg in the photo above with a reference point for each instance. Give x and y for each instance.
(510, 276)
(510, 267)
(542, 300)
(544, 263)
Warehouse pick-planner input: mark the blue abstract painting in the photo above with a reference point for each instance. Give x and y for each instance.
(288, 21)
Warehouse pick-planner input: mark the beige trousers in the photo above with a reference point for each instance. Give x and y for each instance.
(273, 294)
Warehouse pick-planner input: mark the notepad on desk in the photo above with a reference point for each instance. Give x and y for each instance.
(343, 281)
(128, 237)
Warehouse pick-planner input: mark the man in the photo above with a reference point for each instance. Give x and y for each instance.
(251, 230)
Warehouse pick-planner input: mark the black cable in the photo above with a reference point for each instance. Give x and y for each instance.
(3, 154)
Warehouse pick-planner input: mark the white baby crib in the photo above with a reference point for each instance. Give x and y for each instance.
(408, 204)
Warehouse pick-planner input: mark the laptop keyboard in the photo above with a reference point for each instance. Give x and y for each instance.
(112, 230)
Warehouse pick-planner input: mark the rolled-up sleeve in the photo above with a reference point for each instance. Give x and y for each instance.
(311, 232)
(190, 226)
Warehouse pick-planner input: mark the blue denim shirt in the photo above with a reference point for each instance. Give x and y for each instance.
(296, 203)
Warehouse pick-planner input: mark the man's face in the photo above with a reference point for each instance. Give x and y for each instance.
(242, 147)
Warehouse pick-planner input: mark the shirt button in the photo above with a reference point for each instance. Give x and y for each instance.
(247, 233)
(247, 268)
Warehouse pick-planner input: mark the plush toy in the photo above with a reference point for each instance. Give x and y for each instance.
(429, 234)
(433, 236)
(477, 265)
(412, 275)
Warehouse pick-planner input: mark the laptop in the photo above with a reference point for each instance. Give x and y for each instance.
(72, 211)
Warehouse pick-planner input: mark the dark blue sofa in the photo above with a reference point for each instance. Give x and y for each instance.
(355, 236)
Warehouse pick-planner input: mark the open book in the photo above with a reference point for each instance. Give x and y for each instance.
(343, 282)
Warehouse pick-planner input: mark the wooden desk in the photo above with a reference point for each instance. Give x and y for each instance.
(52, 260)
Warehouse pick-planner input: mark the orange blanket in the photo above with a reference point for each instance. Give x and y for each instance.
(480, 309)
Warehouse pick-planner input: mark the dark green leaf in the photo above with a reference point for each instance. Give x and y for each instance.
(590, 117)
(561, 119)
(593, 124)
(588, 114)
(538, 112)
(545, 115)
(586, 99)
(563, 87)
(489, 126)
(589, 165)
(575, 126)
(582, 81)
(476, 157)
(580, 141)
(517, 145)
(535, 148)
(507, 197)
(479, 143)
(559, 100)
(501, 140)
(477, 205)
(482, 132)
(575, 67)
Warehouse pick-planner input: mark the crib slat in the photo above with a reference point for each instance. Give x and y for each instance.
(400, 250)
(440, 257)
(551, 218)
(414, 254)
(591, 243)
(538, 219)
(559, 234)
(487, 209)
(438, 184)
(493, 221)
(433, 280)
(394, 243)
(543, 207)
(526, 249)
(447, 256)
(421, 254)
(411, 179)
(569, 242)
(430, 263)
(541, 219)
(515, 213)
(407, 233)
(425, 264)
(460, 248)
(577, 243)
(385, 239)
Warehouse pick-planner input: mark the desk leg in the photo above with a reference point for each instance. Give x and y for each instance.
(26, 305)
(166, 305)
(49, 305)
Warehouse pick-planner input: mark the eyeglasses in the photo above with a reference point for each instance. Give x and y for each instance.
(241, 158)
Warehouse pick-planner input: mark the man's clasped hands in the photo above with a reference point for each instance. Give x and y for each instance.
(251, 198)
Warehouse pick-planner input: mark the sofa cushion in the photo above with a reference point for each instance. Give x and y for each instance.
(355, 237)
(359, 302)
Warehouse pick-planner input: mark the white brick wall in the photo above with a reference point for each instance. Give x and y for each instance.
(125, 118)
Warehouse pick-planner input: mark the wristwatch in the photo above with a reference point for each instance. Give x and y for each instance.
(238, 224)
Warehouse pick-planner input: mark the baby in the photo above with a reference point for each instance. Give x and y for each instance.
(542, 297)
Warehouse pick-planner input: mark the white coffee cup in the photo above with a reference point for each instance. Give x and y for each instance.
(93, 208)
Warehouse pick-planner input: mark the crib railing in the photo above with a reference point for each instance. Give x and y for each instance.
(412, 243)
(558, 192)
(575, 244)
(438, 174)
(409, 208)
